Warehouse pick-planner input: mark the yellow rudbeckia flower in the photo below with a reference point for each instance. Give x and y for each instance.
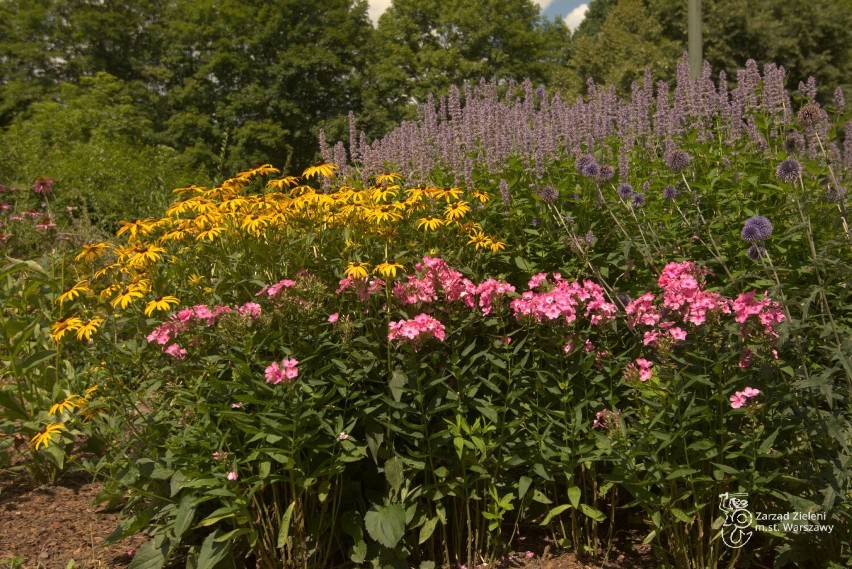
(430, 223)
(324, 170)
(68, 404)
(46, 437)
(64, 325)
(456, 210)
(126, 296)
(388, 269)
(88, 328)
(356, 270)
(163, 303)
(91, 251)
(73, 292)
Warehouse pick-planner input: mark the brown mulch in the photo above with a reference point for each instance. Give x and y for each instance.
(49, 526)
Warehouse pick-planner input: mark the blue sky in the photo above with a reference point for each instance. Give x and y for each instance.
(571, 10)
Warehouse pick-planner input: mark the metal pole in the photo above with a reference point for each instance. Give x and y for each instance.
(696, 58)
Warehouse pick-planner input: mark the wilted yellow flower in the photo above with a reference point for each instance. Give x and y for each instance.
(357, 270)
(91, 251)
(430, 223)
(163, 303)
(64, 325)
(388, 269)
(324, 170)
(195, 280)
(88, 328)
(73, 292)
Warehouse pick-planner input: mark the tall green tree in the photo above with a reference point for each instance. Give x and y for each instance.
(251, 81)
(425, 46)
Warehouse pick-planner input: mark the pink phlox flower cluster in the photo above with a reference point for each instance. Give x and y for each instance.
(434, 275)
(363, 288)
(641, 370)
(419, 328)
(272, 290)
(250, 310)
(740, 398)
(489, 289)
(564, 300)
(768, 312)
(176, 351)
(284, 372)
(683, 294)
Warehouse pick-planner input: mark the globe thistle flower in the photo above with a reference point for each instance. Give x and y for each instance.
(606, 174)
(836, 194)
(591, 170)
(788, 171)
(756, 228)
(677, 160)
(794, 142)
(582, 161)
(810, 114)
(624, 191)
(755, 252)
(548, 194)
(670, 193)
(638, 200)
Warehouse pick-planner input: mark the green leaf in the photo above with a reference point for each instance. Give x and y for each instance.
(524, 265)
(574, 496)
(185, 515)
(386, 524)
(212, 551)
(150, 557)
(555, 512)
(681, 473)
(593, 513)
(284, 531)
(427, 529)
(394, 473)
(263, 469)
(523, 486)
(359, 552)
(397, 383)
(682, 516)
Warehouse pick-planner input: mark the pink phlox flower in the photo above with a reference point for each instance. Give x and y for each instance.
(677, 333)
(273, 290)
(176, 351)
(250, 309)
(232, 475)
(650, 338)
(333, 317)
(274, 374)
(536, 280)
(740, 398)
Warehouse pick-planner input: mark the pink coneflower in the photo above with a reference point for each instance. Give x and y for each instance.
(43, 186)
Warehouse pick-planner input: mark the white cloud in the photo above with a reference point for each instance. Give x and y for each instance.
(576, 16)
(378, 7)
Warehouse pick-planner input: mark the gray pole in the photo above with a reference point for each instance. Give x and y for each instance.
(696, 58)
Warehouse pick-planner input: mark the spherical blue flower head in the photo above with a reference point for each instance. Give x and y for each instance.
(794, 142)
(638, 200)
(756, 228)
(548, 194)
(788, 171)
(670, 193)
(582, 161)
(591, 170)
(624, 191)
(755, 252)
(677, 160)
(606, 174)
